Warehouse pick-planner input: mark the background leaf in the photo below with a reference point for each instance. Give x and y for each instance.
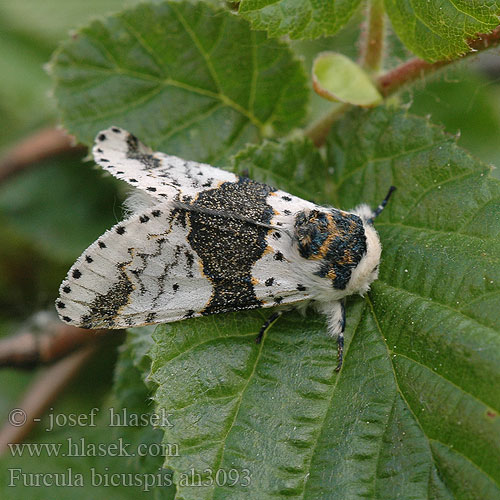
(192, 81)
(412, 413)
(466, 103)
(438, 29)
(432, 29)
(131, 397)
(298, 19)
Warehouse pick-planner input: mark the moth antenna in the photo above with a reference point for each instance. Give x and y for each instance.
(381, 207)
(221, 213)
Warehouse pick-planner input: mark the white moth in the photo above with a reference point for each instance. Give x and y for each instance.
(207, 241)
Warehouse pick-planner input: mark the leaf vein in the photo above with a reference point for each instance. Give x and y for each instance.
(323, 422)
(429, 300)
(439, 375)
(390, 157)
(454, 450)
(145, 46)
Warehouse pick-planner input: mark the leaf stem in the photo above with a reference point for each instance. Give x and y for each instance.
(42, 392)
(318, 130)
(373, 37)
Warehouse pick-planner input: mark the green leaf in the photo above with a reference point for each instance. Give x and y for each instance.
(187, 79)
(438, 29)
(65, 450)
(293, 165)
(132, 398)
(299, 19)
(432, 29)
(414, 412)
(337, 78)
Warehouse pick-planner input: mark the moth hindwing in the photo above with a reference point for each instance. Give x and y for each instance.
(203, 240)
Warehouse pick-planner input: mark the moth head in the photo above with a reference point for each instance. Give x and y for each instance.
(367, 270)
(344, 245)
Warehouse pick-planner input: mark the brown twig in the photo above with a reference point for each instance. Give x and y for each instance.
(318, 130)
(415, 69)
(27, 349)
(44, 389)
(406, 73)
(39, 146)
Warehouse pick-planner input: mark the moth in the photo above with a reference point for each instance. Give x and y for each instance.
(204, 241)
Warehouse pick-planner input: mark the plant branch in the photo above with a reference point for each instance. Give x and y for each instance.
(42, 144)
(28, 349)
(414, 69)
(408, 72)
(318, 130)
(44, 389)
(373, 37)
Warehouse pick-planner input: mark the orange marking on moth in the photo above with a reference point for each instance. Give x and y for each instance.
(268, 250)
(333, 232)
(331, 274)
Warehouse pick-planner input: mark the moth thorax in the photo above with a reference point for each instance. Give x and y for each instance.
(334, 238)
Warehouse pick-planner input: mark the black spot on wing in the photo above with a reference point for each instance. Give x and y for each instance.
(132, 144)
(227, 246)
(105, 307)
(134, 152)
(278, 256)
(150, 318)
